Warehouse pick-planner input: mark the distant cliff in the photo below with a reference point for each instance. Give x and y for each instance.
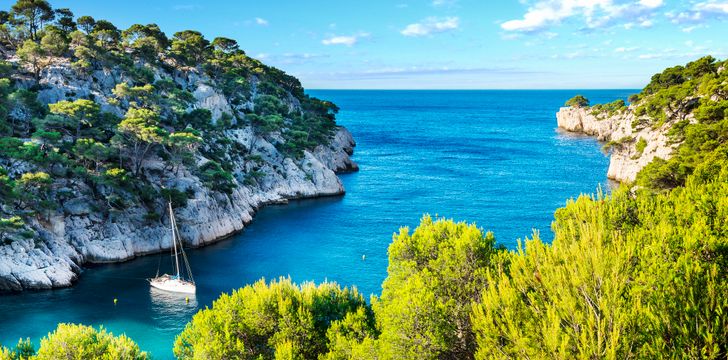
(667, 128)
(627, 158)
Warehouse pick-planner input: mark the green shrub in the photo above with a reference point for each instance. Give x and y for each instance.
(625, 277)
(609, 109)
(262, 320)
(619, 143)
(252, 177)
(434, 275)
(640, 148)
(71, 341)
(217, 178)
(152, 216)
(23, 350)
(577, 101)
(177, 197)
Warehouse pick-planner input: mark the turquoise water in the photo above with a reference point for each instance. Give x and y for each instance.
(491, 157)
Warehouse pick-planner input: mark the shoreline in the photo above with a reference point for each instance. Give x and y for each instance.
(75, 240)
(91, 265)
(625, 158)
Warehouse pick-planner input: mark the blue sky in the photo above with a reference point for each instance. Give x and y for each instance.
(451, 44)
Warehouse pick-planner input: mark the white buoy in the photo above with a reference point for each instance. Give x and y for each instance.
(363, 257)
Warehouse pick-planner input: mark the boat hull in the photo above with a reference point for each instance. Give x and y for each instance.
(172, 284)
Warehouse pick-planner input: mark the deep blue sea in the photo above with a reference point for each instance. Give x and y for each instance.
(490, 157)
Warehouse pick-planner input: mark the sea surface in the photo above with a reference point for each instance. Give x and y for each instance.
(490, 157)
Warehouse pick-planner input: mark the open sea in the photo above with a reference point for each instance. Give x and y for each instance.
(490, 157)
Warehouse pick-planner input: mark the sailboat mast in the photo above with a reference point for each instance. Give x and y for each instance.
(174, 239)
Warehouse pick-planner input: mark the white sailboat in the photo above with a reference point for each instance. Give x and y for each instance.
(175, 283)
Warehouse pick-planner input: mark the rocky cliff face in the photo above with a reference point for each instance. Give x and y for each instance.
(79, 233)
(631, 148)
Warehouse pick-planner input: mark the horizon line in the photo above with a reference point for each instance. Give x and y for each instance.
(484, 89)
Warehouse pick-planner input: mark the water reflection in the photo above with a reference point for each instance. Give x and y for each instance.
(171, 310)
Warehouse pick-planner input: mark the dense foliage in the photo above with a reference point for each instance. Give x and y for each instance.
(631, 275)
(626, 277)
(436, 273)
(76, 342)
(694, 103)
(103, 147)
(577, 101)
(641, 273)
(609, 109)
(266, 321)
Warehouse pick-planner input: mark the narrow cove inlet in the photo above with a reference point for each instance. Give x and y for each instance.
(418, 152)
(372, 180)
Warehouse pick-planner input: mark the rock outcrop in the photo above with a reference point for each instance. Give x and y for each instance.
(632, 148)
(79, 233)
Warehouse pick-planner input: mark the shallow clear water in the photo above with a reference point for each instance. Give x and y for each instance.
(491, 157)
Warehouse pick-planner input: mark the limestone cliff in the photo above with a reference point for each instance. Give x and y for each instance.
(632, 147)
(78, 232)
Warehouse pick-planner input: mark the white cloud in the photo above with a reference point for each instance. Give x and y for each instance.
(348, 40)
(340, 40)
(625, 49)
(431, 25)
(596, 13)
(651, 3)
(261, 21)
(438, 3)
(713, 6)
(689, 29)
(700, 12)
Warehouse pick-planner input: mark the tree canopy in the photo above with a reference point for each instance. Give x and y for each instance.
(77, 342)
(577, 101)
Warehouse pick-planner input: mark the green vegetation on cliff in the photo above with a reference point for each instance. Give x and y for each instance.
(693, 100)
(578, 101)
(109, 144)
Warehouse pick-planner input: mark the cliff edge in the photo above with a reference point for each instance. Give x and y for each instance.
(631, 147)
(254, 142)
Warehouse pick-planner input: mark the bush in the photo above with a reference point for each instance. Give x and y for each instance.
(178, 198)
(577, 101)
(609, 109)
(200, 119)
(435, 275)
(625, 277)
(217, 178)
(640, 147)
(71, 341)
(252, 177)
(263, 320)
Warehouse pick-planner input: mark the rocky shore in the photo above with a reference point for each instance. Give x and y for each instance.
(78, 233)
(632, 148)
